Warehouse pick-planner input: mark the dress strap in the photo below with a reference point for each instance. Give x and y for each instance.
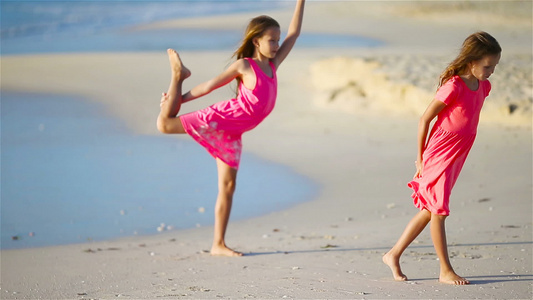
(257, 69)
(272, 66)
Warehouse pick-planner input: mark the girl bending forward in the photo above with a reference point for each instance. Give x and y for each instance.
(218, 128)
(462, 90)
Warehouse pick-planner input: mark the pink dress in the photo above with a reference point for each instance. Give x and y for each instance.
(219, 127)
(450, 140)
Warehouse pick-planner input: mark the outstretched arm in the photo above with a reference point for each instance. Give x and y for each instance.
(434, 108)
(236, 69)
(294, 31)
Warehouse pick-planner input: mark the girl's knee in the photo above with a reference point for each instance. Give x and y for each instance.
(227, 178)
(440, 218)
(425, 214)
(228, 186)
(162, 125)
(169, 125)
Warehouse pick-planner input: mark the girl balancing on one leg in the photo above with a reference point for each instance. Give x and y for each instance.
(462, 90)
(218, 128)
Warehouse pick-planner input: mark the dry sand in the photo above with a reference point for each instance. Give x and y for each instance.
(345, 118)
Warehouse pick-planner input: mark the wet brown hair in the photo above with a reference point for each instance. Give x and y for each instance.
(475, 47)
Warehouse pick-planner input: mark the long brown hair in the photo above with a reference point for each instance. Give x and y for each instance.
(475, 47)
(255, 29)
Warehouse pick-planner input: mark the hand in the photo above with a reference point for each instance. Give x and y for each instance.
(419, 169)
(164, 98)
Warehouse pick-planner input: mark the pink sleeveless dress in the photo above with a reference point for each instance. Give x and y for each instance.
(219, 127)
(450, 141)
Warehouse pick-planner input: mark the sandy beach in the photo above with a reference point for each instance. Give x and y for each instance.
(347, 119)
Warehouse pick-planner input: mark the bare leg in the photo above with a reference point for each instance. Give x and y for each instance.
(167, 122)
(227, 177)
(438, 234)
(412, 230)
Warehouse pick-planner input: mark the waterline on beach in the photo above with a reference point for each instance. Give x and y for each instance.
(71, 173)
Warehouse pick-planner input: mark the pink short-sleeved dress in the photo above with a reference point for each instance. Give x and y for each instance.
(450, 141)
(219, 127)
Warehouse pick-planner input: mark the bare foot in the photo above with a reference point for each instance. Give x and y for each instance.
(394, 265)
(224, 251)
(179, 71)
(452, 278)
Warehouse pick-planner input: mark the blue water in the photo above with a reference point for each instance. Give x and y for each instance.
(96, 26)
(71, 173)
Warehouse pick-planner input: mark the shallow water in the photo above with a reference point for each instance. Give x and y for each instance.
(30, 27)
(71, 173)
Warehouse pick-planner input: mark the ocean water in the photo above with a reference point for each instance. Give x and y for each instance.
(102, 26)
(70, 173)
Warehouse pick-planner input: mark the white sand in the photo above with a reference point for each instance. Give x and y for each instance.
(359, 148)
(402, 85)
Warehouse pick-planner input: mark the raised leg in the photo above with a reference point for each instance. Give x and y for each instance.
(412, 230)
(167, 121)
(438, 235)
(227, 178)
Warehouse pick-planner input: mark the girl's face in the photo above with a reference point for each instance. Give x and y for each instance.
(268, 44)
(483, 68)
